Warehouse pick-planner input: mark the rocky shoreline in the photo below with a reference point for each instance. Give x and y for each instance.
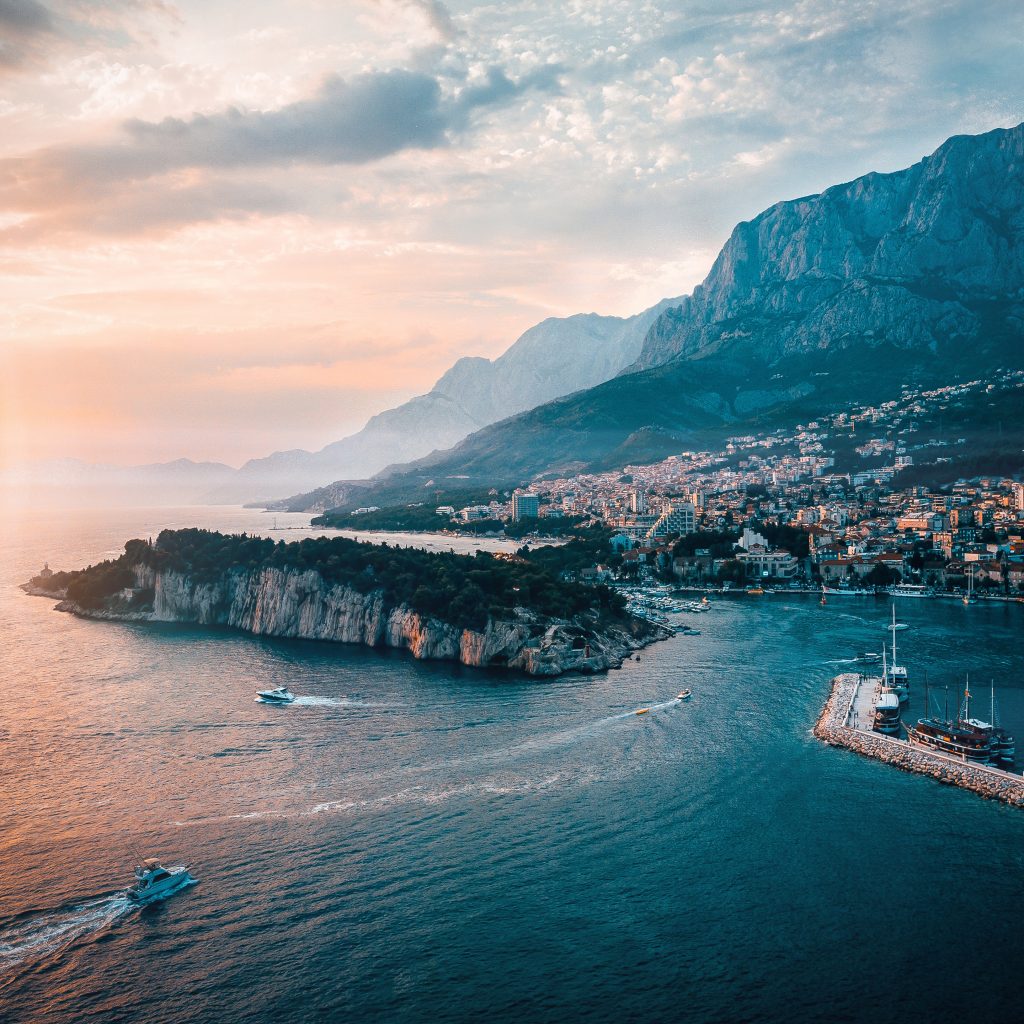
(831, 727)
(301, 605)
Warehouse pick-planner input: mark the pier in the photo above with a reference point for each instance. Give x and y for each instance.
(846, 720)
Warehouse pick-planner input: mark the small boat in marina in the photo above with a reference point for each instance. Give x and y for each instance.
(155, 882)
(279, 695)
(969, 596)
(755, 590)
(895, 678)
(684, 695)
(887, 715)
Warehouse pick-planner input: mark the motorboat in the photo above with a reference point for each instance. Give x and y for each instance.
(643, 711)
(684, 695)
(871, 657)
(279, 695)
(898, 627)
(886, 718)
(155, 882)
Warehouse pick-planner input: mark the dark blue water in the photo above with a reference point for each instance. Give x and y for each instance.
(419, 842)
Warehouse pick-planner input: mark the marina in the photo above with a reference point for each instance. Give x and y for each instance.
(847, 721)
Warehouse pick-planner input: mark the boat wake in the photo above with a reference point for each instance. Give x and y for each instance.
(39, 935)
(336, 702)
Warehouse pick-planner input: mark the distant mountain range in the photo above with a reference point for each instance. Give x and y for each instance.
(911, 277)
(556, 357)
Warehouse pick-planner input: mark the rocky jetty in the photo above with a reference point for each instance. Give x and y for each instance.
(301, 604)
(833, 729)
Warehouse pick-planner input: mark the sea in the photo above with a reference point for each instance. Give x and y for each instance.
(422, 842)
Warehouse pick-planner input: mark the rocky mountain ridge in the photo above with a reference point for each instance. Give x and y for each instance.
(556, 357)
(917, 258)
(891, 279)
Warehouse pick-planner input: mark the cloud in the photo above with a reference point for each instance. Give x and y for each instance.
(356, 121)
(24, 26)
(33, 34)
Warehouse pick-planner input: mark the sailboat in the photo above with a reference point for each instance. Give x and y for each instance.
(895, 678)
(886, 719)
(969, 597)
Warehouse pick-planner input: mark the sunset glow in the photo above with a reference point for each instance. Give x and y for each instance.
(227, 230)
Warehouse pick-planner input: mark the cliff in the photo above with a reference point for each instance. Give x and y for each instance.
(301, 604)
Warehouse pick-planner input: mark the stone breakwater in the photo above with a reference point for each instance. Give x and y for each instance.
(301, 604)
(833, 729)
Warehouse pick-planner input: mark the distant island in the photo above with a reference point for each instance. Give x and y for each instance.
(482, 610)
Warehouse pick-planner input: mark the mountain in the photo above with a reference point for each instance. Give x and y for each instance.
(920, 258)
(556, 357)
(911, 277)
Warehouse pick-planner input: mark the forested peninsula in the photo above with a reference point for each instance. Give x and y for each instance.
(482, 610)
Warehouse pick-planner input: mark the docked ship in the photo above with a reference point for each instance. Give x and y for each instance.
(887, 715)
(909, 590)
(1003, 744)
(895, 678)
(957, 738)
(847, 591)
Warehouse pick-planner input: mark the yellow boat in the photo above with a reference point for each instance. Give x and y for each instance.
(643, 711)
(756, 590)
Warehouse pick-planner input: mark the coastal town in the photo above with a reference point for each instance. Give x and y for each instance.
(841, 503)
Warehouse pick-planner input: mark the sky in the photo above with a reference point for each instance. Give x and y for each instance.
(228, 229)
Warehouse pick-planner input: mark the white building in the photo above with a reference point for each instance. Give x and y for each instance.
(677, 518)
(525, 506)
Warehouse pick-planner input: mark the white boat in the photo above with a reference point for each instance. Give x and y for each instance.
(685, 695)
(847, 591)
(895, 678)
(909, 590)
(155, 882)
(279, 695)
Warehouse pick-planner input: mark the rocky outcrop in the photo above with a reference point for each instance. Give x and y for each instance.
(920, 258)
(291, 603)
(832, 728)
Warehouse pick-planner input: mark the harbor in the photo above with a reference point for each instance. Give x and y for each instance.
(847, 719)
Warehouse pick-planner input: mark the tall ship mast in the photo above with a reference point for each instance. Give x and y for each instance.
(1003, 744)
(886, 718)
(895, 678)
(957, 738)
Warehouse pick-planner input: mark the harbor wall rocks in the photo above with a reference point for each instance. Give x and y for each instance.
(301, 604)
(831, 727)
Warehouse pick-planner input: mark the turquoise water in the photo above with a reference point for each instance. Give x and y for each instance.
(420, 842)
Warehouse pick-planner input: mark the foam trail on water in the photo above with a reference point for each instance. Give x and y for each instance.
(44, 933)
(312, 701)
